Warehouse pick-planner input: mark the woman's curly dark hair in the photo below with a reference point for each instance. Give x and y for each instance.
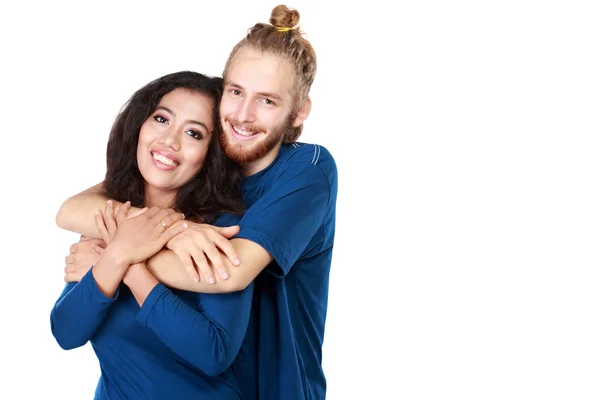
(213, 191)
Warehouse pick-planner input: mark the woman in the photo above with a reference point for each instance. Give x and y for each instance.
(153, 342)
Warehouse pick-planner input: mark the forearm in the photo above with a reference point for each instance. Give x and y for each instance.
(77, 212)
(79, 312)
(167, 267)
(109, 271)
(140, 281)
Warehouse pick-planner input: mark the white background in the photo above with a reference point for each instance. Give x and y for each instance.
(466, 138)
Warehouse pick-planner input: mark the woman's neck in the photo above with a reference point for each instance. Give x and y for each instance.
(159, 198)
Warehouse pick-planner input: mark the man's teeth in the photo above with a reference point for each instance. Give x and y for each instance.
(164, 160)
(242, 132)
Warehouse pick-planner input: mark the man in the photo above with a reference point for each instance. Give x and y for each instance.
(290, 190)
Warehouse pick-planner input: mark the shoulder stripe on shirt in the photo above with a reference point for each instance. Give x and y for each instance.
(316, 155)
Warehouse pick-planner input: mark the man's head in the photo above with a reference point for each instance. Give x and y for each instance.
(267, 81)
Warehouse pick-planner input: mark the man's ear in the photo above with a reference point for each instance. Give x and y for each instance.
(303, 112)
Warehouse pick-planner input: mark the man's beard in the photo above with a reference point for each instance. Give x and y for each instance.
(241, 153)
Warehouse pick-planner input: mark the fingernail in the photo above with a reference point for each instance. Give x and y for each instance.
(96, 212)
(183, 215)
(211, 280)
(195, 279)
(109, 202)
(236, 261)
(224, 275)
(184, 226)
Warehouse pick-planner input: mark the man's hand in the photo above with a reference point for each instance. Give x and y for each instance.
(83, 255)
(202, 244)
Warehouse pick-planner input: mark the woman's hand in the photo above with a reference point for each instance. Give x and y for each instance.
(135, 239)
(108, 221)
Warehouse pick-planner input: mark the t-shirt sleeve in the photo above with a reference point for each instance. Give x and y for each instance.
(228, 219)
(286, 217)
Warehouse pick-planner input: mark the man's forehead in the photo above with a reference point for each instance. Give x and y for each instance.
(260, 72)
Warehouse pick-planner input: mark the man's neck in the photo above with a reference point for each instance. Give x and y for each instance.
(254, 167)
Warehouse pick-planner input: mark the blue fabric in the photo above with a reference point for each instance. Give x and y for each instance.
(291, 214)
(178, 345)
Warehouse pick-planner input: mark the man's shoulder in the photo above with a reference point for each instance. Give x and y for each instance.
(309, 154)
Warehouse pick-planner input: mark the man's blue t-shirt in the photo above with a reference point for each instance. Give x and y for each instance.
(291, 214)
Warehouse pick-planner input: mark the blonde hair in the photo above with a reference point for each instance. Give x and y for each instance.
(282, 37)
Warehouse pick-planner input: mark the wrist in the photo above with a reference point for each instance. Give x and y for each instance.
(135, 272)
(116, 257)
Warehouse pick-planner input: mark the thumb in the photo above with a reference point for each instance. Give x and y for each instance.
(228, 231)
(135, 212)
(97, 249)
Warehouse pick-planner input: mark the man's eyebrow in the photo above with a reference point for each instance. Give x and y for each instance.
(263, 94)
(268, 94)
(230, 83)
(189, 120)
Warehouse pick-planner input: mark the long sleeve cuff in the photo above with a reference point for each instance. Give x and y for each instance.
(155, 294)
(90, 284)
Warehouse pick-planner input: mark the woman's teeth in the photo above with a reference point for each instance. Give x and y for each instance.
(164, 160)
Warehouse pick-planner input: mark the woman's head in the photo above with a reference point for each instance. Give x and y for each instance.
(173, 143)
(163, 145)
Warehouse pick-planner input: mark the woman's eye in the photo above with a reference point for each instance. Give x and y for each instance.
(194, 134)
(160, 119)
